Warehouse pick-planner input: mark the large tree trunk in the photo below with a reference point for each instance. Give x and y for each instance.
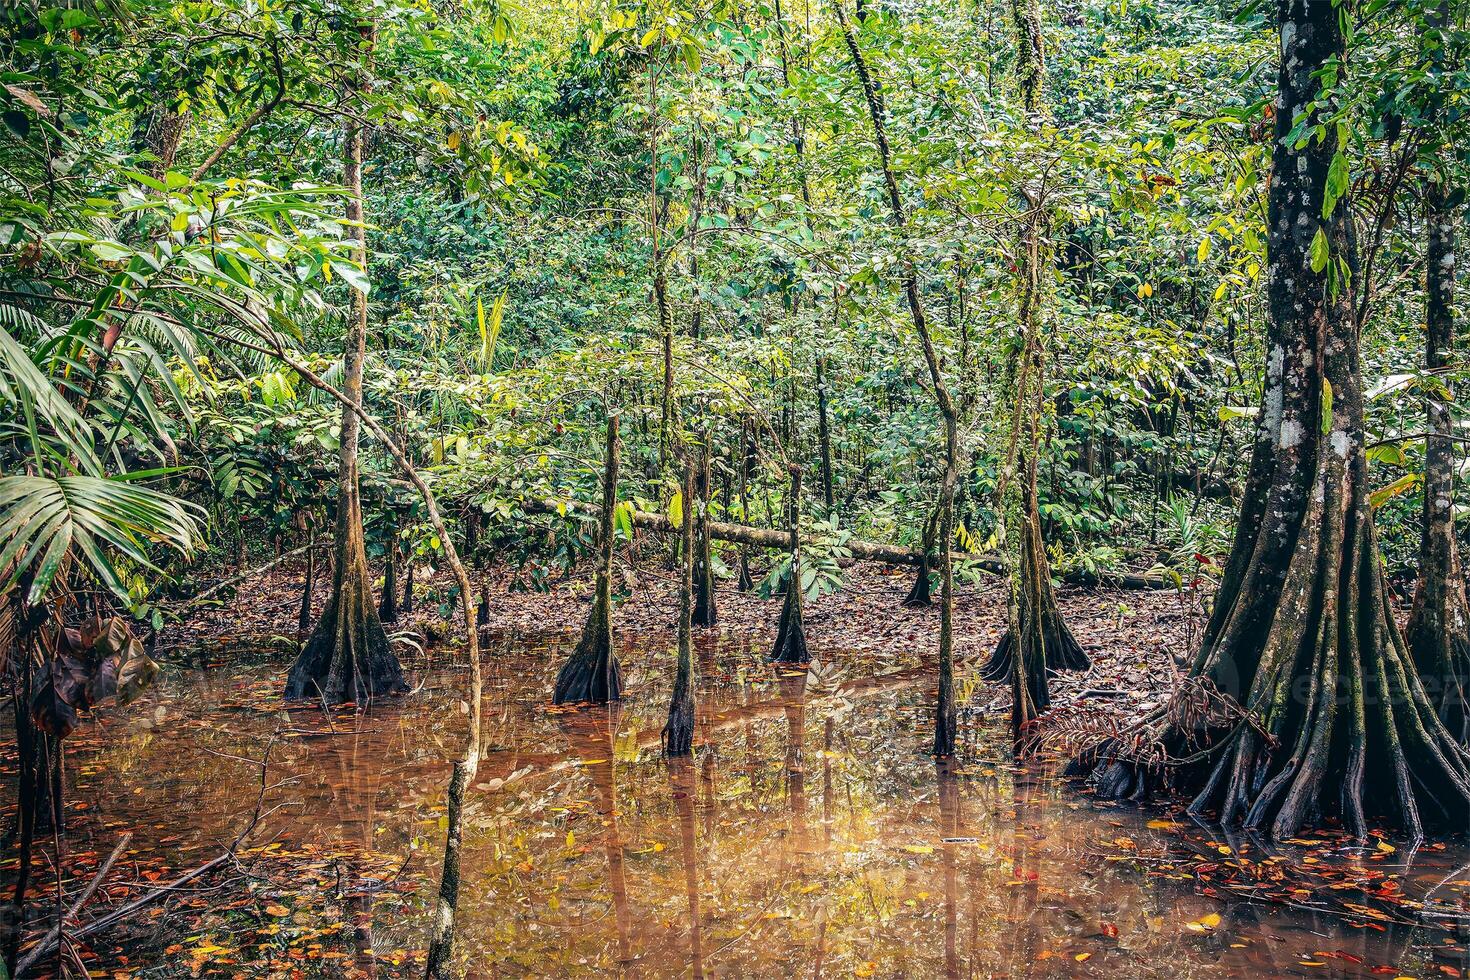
(592, 673)
(1438, 631)
(1335, 720)
(348, 657)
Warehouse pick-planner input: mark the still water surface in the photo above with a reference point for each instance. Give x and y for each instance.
(809, 836)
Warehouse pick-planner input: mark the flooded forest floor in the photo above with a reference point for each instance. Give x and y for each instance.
(809, 836)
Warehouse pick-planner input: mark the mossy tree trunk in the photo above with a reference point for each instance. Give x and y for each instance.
(347, 657)
(790, 645)
(1036, 637)
(592, 673)
(1336, 721)
(678, 733)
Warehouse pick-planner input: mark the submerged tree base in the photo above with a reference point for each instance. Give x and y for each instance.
(1063, 652)
(592, 673)
(348, 656)
(790, 645)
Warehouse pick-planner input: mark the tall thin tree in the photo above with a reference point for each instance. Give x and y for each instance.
(1036, 637)
(348, 657)
(945, 714)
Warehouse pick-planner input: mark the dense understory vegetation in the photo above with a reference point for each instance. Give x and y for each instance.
(1144, 291)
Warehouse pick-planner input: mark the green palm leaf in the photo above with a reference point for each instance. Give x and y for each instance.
(45, 521)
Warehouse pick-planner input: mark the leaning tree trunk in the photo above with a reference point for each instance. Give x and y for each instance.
(678, 733)
(790, 646)
(706, 611)
(592, 673)
(348, 657)
(1438, 631)
(1303, 702)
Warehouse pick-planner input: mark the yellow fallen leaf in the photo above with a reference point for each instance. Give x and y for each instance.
(1384, 847)
(1082, 957)
(1204, 923)
(918, 848)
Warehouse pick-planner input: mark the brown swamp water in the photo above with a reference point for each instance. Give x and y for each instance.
(810, 836)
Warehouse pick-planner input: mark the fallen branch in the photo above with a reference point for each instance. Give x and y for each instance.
(874, 551)
(52, 938)
(248, 573)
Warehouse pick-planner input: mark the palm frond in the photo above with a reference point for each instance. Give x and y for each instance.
(45, 521)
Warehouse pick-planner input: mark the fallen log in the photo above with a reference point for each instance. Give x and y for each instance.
(874, 551)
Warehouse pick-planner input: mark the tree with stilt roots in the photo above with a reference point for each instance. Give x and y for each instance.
(1037, 638)
(790, 645)
(1303, 703)
(348, 657)
(678, 732)
(592, 672)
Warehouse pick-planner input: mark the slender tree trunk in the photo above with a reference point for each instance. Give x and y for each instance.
(348, 657)
(824, 436)
(945, 711)
(592, 673)
(1036, 637)
(388, 603)
(303, 614)
(1438, 631)
(678, 733)
(746, 583)
(1335, 721)
(706, 611)
(407, 584)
